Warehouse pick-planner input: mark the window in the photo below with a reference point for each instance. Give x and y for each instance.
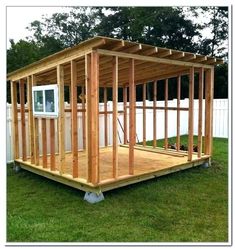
(45, 100)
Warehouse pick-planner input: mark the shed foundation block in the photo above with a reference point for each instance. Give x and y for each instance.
(93, 197)
(16, 167)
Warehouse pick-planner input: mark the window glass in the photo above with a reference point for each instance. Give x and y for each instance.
(50, 102)
(38, 101)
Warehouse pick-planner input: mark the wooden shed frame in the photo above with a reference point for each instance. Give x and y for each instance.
(103, 62)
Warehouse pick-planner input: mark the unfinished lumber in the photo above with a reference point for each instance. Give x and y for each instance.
(44, 142)
(115, 116)
(154, 114)
(166, 116)
(200, 108)
(190, 115)
(61, 121)
(15, 132)
(74, 118)
(22, 115)
(178, 113)
(132, 132)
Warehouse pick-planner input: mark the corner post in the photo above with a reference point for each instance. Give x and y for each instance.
(14, 113)
(209, 89)
(92, 88)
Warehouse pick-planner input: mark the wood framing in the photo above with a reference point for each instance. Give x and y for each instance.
(125, 113)
(74, 118)
(209, 89)
(200, 108)
(91, 158)
(155, 114)
(14, 114)
(144, 114)
(166, 116)
(190, 116)
(44, 142)
(105, 118)
(22, 116)
(178, 113)
(115, 117)
(93, 112)
(52, 144)
(132, 132)
(61, 127)
(30, 119)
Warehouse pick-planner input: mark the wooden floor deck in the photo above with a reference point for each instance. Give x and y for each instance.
(147, 164)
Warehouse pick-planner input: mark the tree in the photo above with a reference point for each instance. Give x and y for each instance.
(21, 54)
(216, 45)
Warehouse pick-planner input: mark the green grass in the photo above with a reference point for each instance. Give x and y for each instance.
(187, 206)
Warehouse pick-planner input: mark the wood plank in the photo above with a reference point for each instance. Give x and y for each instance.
(30, 119)
(22, 115)
(144, 114)
(166, 116)
(93, 118)
(151, 59)
(209, 87)
(35, 129)
(105, 118)
(132, 132)
(200, 108)
(88, 115)
(178, 113)
(44, 142)
(61, 121)
(154, 114)
(115, 116)
(83, 118)
(125, 113)
(74, 118)
(191, 118)
(14, 114)
(52, 144)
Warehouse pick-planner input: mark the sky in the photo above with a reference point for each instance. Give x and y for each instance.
(26, 15)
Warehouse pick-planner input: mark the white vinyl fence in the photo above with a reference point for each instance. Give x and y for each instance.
(220, 123)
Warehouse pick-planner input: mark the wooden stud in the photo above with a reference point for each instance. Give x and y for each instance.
(92, 86)
(52, 144)
(22, 115)
(154, 114)
(132, 132)
(105, 118)
(61, 121)
(125, 113)
(144, 114)
(83, 118)
(178, 113)
(209, 86)
(74, 118)
(30, 119)
(115, 116)
(166, 116)
(200, 108)
(88, 115)
(14, 113)
(35, 129)
(44, 143)
(190, 114)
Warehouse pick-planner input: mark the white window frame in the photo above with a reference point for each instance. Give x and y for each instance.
(43, 88)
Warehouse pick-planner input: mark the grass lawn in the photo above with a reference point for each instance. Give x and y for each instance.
(187, 206)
